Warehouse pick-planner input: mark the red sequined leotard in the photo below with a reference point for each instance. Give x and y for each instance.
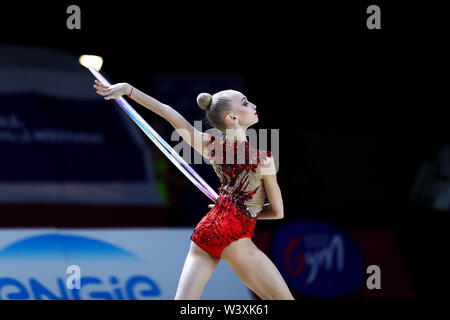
(241, 195)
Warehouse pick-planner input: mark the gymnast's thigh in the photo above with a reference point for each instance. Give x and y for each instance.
(242, 246)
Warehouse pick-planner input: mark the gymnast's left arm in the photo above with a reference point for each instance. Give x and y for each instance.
(196, 139)
(273, 210)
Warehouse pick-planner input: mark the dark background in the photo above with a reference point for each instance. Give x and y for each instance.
(359, 111)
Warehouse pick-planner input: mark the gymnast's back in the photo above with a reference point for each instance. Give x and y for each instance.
(236, 164)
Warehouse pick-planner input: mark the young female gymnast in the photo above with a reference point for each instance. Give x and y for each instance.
(225, 232)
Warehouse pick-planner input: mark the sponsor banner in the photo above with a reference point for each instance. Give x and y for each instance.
(113, 264)
(318, 260)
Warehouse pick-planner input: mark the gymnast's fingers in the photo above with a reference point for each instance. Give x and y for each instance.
(103, 92)
(100, 84)
(100, 88)
(110, 96)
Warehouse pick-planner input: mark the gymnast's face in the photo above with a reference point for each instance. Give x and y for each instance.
(243, 113)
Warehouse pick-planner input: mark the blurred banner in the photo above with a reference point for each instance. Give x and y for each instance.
(62, 143)
(113, 264)
(318, 260)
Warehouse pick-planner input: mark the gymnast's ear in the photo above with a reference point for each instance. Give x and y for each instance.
(231, 118)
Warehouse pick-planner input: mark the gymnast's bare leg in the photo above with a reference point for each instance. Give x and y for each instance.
(198, 268)
(256, 270)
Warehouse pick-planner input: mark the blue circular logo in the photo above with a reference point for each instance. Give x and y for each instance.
(317, 259)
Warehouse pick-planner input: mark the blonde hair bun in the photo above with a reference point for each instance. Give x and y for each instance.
(204, 100)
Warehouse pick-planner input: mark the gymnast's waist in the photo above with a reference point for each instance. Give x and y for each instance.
(247, 206)
(226, 196)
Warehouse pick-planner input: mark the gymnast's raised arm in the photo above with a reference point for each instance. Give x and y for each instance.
(198, 140)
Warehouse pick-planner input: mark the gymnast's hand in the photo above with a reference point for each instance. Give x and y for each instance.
(113, 91)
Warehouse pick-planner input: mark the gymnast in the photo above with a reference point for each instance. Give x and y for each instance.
(226, 231)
